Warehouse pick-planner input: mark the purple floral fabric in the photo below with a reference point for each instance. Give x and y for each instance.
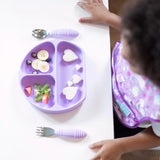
(136, 98)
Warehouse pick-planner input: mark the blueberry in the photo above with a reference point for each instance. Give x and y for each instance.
(28, 62)
(48, 60)
(34, 54)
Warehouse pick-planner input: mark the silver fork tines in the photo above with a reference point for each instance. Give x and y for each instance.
(40, 131)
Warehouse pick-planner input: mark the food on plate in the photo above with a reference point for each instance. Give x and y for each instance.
(35, 64)
(43, 66)
(41, 61)
(43, 55)
(28, 62)
(78, 67)
(34, 72)
(46, 89)
(34, 54)
(28, 90)
(37, 89)
(38, 98)
(45, 98)
(42, 93)
(48, 60)
(69, 55)
(70, 92)
(69, 83)
(76, 79)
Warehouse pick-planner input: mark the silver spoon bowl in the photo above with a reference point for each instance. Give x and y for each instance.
(39, 33)
(61, 33)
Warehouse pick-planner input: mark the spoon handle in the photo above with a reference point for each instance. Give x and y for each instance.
(64, 33)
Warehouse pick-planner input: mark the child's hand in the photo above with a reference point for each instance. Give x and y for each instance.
(99, 13)
(108, 150)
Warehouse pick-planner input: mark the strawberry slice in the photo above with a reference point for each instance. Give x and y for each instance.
(45, 98)
(28, 90)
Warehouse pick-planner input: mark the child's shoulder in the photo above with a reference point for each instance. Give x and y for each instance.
(124, 75)
(133, 90)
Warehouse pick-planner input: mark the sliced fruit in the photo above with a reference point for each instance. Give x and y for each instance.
(28, 90)
(42, 92)
(69, 56)
(43, 66)
(28, 62)
(43, 55)
(35, 64)
(45, 98)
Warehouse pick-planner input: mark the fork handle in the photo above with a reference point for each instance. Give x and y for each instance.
(72, 133)
(64, 33)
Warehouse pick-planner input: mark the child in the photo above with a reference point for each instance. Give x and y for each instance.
(136, 74)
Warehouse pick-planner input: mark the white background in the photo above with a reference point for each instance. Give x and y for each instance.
(18, 118)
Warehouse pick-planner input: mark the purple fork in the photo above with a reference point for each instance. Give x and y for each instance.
(71, 133)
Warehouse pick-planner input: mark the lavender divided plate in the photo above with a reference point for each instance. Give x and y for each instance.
(62, 73)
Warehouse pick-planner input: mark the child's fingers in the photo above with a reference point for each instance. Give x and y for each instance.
(95, 1)
(88, 1)
(100, 1)
(86, 20)
(96, 145)
(83, 5)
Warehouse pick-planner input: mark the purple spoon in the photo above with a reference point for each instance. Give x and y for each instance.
(60, 33)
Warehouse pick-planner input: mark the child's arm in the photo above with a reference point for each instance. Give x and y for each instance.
(143, 140)
(113, 149)
(99, 14)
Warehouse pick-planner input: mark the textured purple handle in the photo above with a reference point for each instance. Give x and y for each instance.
(73, 133)
(64, 33)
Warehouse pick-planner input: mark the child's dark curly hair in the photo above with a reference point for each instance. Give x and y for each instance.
(142, 20)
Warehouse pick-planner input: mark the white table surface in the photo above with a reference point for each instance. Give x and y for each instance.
(18, 118)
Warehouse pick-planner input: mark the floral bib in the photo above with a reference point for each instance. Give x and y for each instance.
(136, 98)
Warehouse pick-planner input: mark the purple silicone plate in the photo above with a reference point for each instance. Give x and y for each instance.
(59, 74)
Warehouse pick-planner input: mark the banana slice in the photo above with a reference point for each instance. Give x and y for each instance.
(43, 55)
(35, 63)
(43, 66)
